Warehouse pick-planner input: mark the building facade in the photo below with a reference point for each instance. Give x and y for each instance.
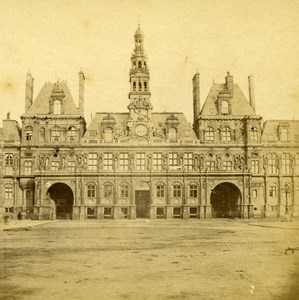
(146, 164)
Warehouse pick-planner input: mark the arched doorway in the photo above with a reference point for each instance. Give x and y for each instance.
(142, 199)
(63, 197)
(225, 201)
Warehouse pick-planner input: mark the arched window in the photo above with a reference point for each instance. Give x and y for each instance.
(134, 86)
(28, 133)
(224, 107)
(140, 86)
(172, 134)
(284, 135)
(108, 190)
(57, 107)
(8, 192)
(209, 134)
(254, 134)
(56, 134)
(71, 134)
(134, 65)
(254, 193)
(139, 64)
(108, 134)
(145, 86)
(226, 135)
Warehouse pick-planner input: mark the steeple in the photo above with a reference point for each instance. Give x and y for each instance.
(139, 73)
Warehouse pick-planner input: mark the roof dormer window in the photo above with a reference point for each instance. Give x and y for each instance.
(57, 107)
(224, 107)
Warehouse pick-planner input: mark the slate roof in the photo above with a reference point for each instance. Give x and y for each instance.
(239, 104)
(41, 104)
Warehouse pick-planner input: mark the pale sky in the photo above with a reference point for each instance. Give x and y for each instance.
(54, 39)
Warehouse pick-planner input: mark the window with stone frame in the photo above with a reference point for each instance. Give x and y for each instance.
(224, 107)
(71, 134)
(227, 165)
(157, 161)
(188, 161)
(272, 191)
(209, 134)
(108, 135)
(27, 167)
(226, 134)
(71, 166)
(160, 188)
(255, 166)
(55, 165)
(286, 163)
(8, 163)
(172, 159)
(124, 190)
(140, 161)
(254, 134)
(56, 134)
(124, 161)
(8, 192)
(254, 193)
(272, 163)
(210, 165)
(92, 161)
(108, 161)
(28, 133)
(57, 107)
(193, 190)
(177, 190)
(108, 190)
(172, 134)
(284, 134)
(91, 190)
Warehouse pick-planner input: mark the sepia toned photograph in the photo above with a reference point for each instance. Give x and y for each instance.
(149, 149)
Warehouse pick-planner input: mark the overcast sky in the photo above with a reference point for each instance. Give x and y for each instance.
(54, 39)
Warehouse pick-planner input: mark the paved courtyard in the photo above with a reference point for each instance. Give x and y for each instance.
(150, 259)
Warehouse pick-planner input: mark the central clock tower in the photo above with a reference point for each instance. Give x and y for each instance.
(140, 108)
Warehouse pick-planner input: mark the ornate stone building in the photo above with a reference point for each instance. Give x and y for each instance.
(146, 164)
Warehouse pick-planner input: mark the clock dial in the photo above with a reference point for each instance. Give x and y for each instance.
(141, 130)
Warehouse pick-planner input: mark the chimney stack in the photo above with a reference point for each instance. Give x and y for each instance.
(251, 91)
(81, 92)
(196, 97)
(229, 79)
(28, 92)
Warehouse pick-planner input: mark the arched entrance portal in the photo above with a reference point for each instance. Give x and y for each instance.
(225, 201)
(63, 197)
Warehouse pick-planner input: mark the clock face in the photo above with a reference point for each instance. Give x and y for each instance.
(140, 130)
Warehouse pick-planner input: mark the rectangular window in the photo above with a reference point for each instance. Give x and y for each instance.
(160, 191)
(272, 191)
(28, 167)
(91, 213)
(286, 163)
(92, 161)
(71, 166)
(177, 190)
(140, 161)
(91, 191)
(108, 190)
(107, 212)
(8, 163)
(173, 159)
(157, 161)
(193, 212)
(124, 212)
(8, 192)
(193, 191)
(188, 161)
(160, 212)
(108, 161)
(272, 161)
(124, 191)
(227, 165)
(176, 213)
(55, 165)
(124, 161)
(210, 165)
(255, 166)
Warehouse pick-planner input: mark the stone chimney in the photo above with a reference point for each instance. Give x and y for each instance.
(81, 92)
(229, 80)
(196, 96)
(28, 92)
(251, 91)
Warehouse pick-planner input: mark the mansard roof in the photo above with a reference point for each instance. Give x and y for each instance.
(185, 131)
(239, 104)
(41, 104)
(272, 128)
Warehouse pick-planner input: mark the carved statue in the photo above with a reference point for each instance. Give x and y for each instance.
(149, 162)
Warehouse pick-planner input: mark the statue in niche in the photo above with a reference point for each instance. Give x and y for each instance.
(265, 160)
(115, 161)
(165, 162)
(132, 162)
(149, 162)
(201, 163)
(100, 163)
(195, 162)
(218, 162)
